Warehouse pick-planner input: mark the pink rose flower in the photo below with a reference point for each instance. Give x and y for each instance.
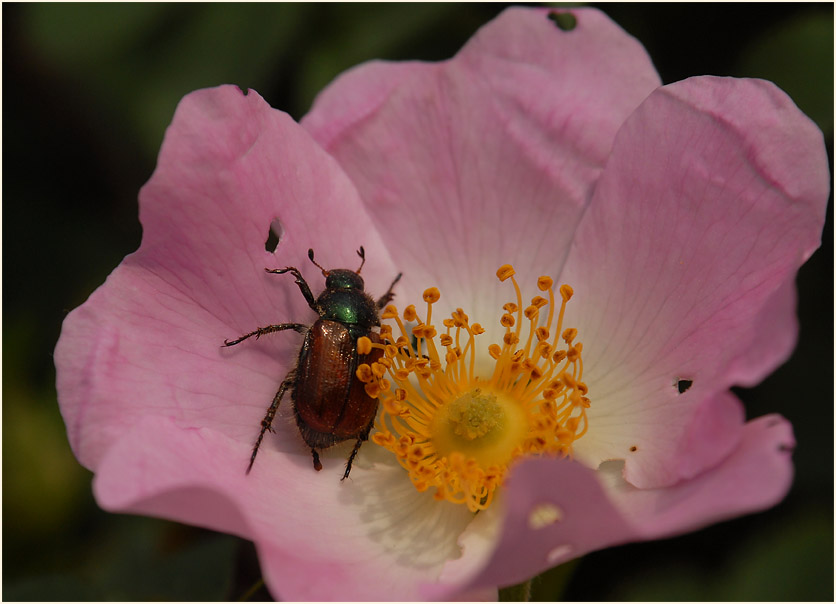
(678, 215)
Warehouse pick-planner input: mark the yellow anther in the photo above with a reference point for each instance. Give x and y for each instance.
(409, 313)
(364, 345)
(541, 333)
(477, 329)
(364, 373)
(566, 292)
(507, 320)
(384, 439)
(510, 307)
(394, 407)
(505, 271)
(432, 295)
(495, 351)
(532, 312)
(390, 312)
(446, 340)
(539, 301)
(544, 283)
(569, 335)
(550, 394)
(424, 331)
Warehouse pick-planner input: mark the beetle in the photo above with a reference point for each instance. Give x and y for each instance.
(330, 403)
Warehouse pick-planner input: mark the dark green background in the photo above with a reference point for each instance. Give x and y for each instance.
(87, 93)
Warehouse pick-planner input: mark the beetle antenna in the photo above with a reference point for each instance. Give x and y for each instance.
(316, 264)
(362, 253)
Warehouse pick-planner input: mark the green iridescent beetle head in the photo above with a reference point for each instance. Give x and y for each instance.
(341, 278)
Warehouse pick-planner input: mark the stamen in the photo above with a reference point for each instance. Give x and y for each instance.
(458, 432)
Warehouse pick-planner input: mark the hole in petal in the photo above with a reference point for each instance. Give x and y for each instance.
(558, 553)
(633, 449)
(274, 236)
(564, 21)
(543, 515)
(683, 385)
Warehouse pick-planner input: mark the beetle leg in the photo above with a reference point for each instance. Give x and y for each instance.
(316, 463)
(387, 297)
(266, 423)
(268, 329)
(360, 440)
(300, 281)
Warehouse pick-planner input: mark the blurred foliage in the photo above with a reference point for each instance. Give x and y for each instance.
(140, 559)
(88, 91)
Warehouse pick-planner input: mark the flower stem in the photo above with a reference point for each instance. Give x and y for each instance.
(251, 591)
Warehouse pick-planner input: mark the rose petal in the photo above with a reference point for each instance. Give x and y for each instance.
(490, 157)
(713, 433)
(373, 536)
(756, 476)
(167, 417)
(683, 262)
(593, 510)
(149, 340)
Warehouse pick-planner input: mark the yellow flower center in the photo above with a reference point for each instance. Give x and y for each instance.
(458, 431)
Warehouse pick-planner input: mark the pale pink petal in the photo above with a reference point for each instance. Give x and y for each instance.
(559, 509)
(149, 340)
(166, 417)
(372, 537)
(713, 433)
(684, 262)
(756, 476)
(488, 158)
